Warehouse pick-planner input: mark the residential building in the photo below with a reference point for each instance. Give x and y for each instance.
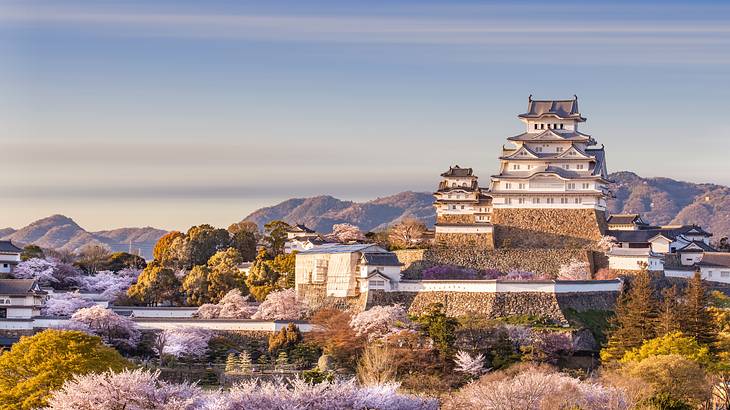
(300, 238)
(20, 298)
(9, 257)
(713, 267)
(626, 222)
(342, 270)
(634, 259)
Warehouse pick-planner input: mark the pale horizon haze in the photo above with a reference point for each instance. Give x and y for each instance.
(175, 113)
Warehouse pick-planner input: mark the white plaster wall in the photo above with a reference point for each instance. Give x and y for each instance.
(493, 286)
(157, 312)
(465, 229)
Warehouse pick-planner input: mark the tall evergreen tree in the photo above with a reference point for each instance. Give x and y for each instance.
(244, 362)
(231, 363)
(635, 319)
(697, 321)
(670, 312)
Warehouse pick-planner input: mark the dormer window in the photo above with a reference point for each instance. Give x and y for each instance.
(542, 126)
(559, 149)
(515, 166)
(535, 126)
(579, 166)
(561, 126)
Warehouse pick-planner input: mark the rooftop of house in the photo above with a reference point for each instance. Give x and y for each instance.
(625, 219)
(697, 246)
(646, 233)
(564, 109)
(380, 259)
(718, 259)
(631, 252)
(8, 247)
(551, 135)
(457, 171)
(301, 228)
(20, 287)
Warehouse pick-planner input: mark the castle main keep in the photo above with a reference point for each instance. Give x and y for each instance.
(550, 192)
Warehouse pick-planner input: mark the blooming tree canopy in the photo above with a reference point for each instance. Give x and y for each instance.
(468, 364)
(113, 329)
(39, 269)
(179, 342)
(137, 389)
(521, 275)
(65, 304)
(281, 305)
(346, 233)
(606, 243)
(108, 284)
(379, 321)
(233, 305)
(575, 270)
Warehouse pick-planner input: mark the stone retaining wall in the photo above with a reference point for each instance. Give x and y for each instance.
(472, 240)
(544, 261)
(496, 305)
(467, 219)
(547, 228)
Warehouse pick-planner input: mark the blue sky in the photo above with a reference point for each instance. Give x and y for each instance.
(173, 113)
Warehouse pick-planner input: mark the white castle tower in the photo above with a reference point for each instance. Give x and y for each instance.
(552, 164)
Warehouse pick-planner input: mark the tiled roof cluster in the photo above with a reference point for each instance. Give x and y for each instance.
(19, 287)
(566, 109)
(457, 171)
(8, 247)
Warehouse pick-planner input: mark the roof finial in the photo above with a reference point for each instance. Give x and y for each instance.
(575, 97)
(529, 99)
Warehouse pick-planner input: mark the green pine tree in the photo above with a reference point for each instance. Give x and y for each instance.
(670, 312)
(635, 319)
(244, 362)
(282, 360)
(231, 363)
(697, 321)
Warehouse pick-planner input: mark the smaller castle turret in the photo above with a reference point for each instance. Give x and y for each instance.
(463, 210)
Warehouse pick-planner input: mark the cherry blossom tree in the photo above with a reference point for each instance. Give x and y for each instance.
(346, 233)
(606, 243)
(108, 284)
(538, 345)
(260, 395)
(468, 364)
(135, 389)
(408, 233)
(537, 388)
(179, 342)
(442, 272)
(115, 330)
(48, 272)
(380, 321)
(233, 305)
(281, 305)
(65, 304)
(575, 270)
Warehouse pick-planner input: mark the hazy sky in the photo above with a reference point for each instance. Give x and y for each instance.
(173, 113)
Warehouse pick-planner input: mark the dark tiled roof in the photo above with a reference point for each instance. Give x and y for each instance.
(558, 108)
(457, 171)
(7, 246)
(380, 259)
(19, 287)
(301, 228)
(641, 236)
(698, 246)
(720, 259)
(623, 219)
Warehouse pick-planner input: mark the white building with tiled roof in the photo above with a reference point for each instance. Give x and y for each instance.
(9, 257)
(461, 206)
(552, 164)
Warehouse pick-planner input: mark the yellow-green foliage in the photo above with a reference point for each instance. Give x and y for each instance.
(671, 343)
(37, 365)
(671, 376)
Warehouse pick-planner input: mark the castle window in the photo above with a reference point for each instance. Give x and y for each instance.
(563, 200)
(535, 200)
(462, 207)
(578, 166)
(521, 186)
(535, 126)
(566, 166)
(578, 200)
(586, 186)
(571, 153)
(507, 185)
(515, 166)
(521, 200)
(559, 149)
(508, 201)
(571, 185)
(542, 126)
(538, 149)
(561, 126)
(550, 200)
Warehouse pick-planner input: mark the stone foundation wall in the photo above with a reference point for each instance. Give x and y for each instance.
(547, 228)
(474, 240)
(544, 261)
(455, 219)
(496, 305)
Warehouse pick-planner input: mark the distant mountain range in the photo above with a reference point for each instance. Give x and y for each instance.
(660, 200)
(61, 232)
(321, 212)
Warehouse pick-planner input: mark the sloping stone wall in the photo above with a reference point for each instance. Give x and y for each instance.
(471, 240)
(544, 261)
(455, 219)
(496, 305)
(547, 228)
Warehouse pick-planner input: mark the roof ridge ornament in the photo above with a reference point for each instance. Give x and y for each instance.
(529, 99)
